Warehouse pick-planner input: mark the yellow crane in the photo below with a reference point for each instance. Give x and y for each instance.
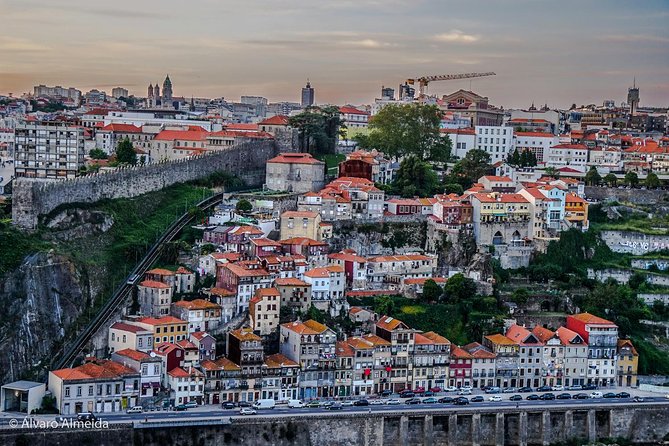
(424, 80)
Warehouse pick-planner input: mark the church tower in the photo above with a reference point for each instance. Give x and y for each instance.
(167, 91)
(149, 93)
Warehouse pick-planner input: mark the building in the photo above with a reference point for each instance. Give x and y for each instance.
(70, 96)
(402, 341)
(22, 396)
(119, 92)
(576, 211)
(108, 137)
(633, 99)
(178, 143)
(602, 339)
(327, 288)
(186, 385)
(222, 380)
(473, 107)
(242, 280)
(245, 348)
(354, 118)
(500, 219)
(538, 143)
(154, 298)
(307, 95)
(628, 363)
(460, 369)
(483, 365)
(462, 140)
(150, 368)
(295, 293)
(295, 172)
(48, 150)
(575, 363)
(280, 380)
(431, 359)
(98, 386)
(395, 269)
(206, 345)
(165, 328)
(497, 141)
(201, 315)
(355, 268)
(300, 224)
(123, 335)
(530, 355)
(573, 156)
(264, 309)
(312, 346)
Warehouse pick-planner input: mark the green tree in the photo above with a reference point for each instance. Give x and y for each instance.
(531, 159)
(125, 152)
(632, 179)
(652, 181)
(384, 305)
(552, 172)
(410, 129)
(520, 296)
(318, 128)
(514, 158)
(459, 288)
(592, 177)
(611, 180)
(243, 206)
(431, 291)
(524, 160)
(98, 154)
(415, 177)
(453, 188)
(470, 168)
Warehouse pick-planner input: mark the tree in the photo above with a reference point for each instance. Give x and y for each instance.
(611, 180)
(524, 161)
(125, 152)
(520, 296)
(469, 169)
(514, 158)
(459, 288)
(453, 188)
(243, 206)
(384, 305)
(97, 154)
(415, 177)
(592, 178)
(431, 291)
(652, 181)
(552, 172)
(632, 179)
(410, 129)
(318, 128)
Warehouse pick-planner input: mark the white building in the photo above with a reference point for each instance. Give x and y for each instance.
(574, 156)
(462, 140)
(123, 336)
(537, 142)
(495, 140)
(48, 150)
(327, 286)
(354, 118)
(186, 386)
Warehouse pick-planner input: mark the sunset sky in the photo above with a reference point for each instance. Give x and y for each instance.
(558, 52)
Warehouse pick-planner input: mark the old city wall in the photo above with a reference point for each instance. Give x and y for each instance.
(638, 196)
(636, 243)
(639, 425)
(32, 198)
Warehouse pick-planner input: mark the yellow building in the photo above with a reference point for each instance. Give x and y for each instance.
(165, 329)
(576, 211)
(301, 224)
(628, 363)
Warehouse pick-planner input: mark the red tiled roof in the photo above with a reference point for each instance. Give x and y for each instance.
(197, 304)
(591, 319)
(352, 111)
(275, 120)
(310, 327)
(295, 158)
(121, 128)
(154, 284)
(128, 327)
(535, 134)
(133, 354)
(160, 271)
(182, 135)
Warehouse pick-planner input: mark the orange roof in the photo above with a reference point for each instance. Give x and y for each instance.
(591, 319)
(295, 158)
(500, 179)
(222, 292)
(121, 128)
(302, 241)
(573, 198)
(388, 323)
(186, 344)
(160, 272)
(376, 340)
(178, 372)
(161, 320)
(347, 110)
(463, 131)
(95, 369)
(262, 241)
(182, 270)
(422, 280)
(262, 292)
(299, 214)
(535, 134)
(419, 339)
(278, 360)
(133, 354)
(275, 120)
(567, 336)
(479, 351)
(343, 349)
(194, 133)
(220, 364)
(459, 353)
(128, 327)
(290, 281)
(230, 256)
(359, 343)
(309, 327)
(626, 343)
(197, 304)
(245, 334)
(241, 126)
(500, 339)
(570, 146)
(436, 338)
(240, 271)
(542, 333)
(502, 198)
(347, 257)
(153, 284)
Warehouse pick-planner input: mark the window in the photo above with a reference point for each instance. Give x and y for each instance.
(67, 391)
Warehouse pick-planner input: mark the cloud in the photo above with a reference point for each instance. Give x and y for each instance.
(456, 36)
(634, 38)
(367, 43)
(20, 45)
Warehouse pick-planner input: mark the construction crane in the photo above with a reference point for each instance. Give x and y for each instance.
(424, 80)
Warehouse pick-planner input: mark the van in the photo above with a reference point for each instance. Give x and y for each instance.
(596, 395)
(295, 404)
(264, 404)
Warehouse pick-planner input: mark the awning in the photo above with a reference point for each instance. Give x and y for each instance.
(146, 385)
(155, 385)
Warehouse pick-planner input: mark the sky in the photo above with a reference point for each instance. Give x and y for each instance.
(554, 52)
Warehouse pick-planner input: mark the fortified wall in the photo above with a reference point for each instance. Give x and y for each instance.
(34, 197)
(638, 196)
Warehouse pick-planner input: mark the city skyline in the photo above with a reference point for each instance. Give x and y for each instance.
(348, 50)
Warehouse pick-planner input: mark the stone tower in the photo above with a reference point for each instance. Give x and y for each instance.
(167, 91)
(156, 92)
(149, 93)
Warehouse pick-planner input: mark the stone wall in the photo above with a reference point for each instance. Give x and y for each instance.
(640, 424)
(623, 276)
(32, 198)
(636, 243)
(637, 196)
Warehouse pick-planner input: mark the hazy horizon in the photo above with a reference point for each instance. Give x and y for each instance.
(575, 52)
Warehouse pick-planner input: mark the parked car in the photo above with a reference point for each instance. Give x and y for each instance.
(180, 407)
(430, 400)
(335, 406)
(515, 398)
(532, 397)
(376, 402)
(610, 395)
(544, 389)
(467, 388)
(413, 401)
(575, 387)
(580, 396)
(295, 404)
(450, 389)
(386, 393)
(558, 388)
(435, 389)
(419, 390)
(477, 399)
(191, 404)
(313, 404)
(547, 396)
(638, 399)
(393, 402)
(86, 416)
(348, 403)
(326, 404)
(407, 394)
(464, 391)
(361, 402)
(247, 411)
(493, 390)
(495, 398)
(596, 395)
(460, 401)
(509, 390)
(228, 405)
(244, 404)
(135, 409)
(445, 400)
(428, 393)
(588, 387)
(563, 396)
(264, 404)
(525, 389)
(623, 395)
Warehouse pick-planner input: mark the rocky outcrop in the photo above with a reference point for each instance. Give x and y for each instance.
(38, 301)
(71, 224)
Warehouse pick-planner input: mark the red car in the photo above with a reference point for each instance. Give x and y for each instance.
(435, 389)
(419, 390)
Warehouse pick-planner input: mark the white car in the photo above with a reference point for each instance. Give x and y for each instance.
(347, 403)
(596, 395)
(393, 402)
(467, 388)
(558, 388)
(495, 398)
(464, 391)
(247, 411)
(450, 389)
(376, 402)
(135, 409)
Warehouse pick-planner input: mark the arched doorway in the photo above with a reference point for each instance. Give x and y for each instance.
(498, 238)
